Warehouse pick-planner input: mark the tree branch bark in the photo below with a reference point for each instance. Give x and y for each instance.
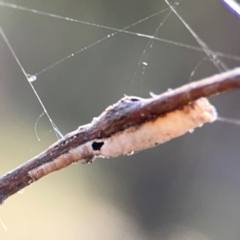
(126, 116)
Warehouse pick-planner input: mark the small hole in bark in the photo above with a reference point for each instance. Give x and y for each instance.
(134, 99)
(97, 145)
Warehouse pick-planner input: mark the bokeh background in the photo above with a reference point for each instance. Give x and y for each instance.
(188, 188)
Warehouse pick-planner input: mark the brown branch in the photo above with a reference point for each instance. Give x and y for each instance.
(128, 113)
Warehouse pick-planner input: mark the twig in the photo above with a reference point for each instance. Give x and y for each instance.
(132, 124)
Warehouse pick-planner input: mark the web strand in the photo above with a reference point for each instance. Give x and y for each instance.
(229, 120)
(55, 128)
(148, 46)
(99, 41)
(212, 54)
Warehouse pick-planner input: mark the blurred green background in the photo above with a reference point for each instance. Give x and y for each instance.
(188, 188)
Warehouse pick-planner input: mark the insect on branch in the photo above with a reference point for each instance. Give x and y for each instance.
(132, 124)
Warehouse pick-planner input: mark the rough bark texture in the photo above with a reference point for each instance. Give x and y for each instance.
(128, 112)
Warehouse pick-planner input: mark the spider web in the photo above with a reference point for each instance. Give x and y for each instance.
(77, 68)
(166, 12)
